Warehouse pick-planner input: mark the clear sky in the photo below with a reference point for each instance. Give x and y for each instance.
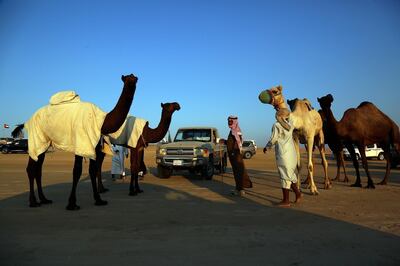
(213, 57)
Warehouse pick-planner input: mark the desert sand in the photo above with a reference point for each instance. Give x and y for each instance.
(185, 220)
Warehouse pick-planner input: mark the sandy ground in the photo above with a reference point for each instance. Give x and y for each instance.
(185, 220)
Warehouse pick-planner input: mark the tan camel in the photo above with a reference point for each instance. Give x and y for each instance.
(308, 125)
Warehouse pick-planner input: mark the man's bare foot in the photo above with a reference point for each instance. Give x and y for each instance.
(283, 204)
(298, 198)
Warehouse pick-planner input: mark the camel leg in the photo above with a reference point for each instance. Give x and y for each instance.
(38, 178)
(93, 173)
(313, 187)
(346, 179)
(388, 158)
(99, 162)
(327, 183)
(361, 148)
(353, 155)
(136, 158)
(297, 147)
(76, 175)
(337, 157)
(143, 167)
(31, 170)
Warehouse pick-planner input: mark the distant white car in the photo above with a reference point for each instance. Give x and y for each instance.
(371, 151)
(254, 142)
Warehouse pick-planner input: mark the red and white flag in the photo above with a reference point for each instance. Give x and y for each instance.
(6, 126)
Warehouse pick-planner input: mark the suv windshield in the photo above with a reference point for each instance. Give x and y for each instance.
(247, 143)
(193, 135)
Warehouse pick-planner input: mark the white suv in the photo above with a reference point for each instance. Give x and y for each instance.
(371, 151)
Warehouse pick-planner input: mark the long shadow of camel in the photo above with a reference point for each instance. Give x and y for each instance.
(168, 226)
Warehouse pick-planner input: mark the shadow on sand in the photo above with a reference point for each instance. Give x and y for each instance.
(170, 226)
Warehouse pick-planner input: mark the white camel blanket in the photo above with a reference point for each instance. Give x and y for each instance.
(129, 133)
(66, 124)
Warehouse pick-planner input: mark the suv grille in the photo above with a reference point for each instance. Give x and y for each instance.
(180, 151)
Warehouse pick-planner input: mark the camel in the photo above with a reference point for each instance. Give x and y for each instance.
(336, 147)
(308, 125)
(106, 123)
(363, 126)
(149, 135)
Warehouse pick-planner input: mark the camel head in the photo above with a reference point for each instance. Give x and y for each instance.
(170, 107)
(325, 101)
(129, 79)
(273, 96)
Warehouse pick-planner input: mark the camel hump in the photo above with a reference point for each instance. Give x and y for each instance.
(365, 104)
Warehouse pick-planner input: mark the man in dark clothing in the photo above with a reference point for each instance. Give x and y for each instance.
(234, 146)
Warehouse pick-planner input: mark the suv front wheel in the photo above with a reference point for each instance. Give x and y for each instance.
(208, 170)
(163, 172)
(381, 156)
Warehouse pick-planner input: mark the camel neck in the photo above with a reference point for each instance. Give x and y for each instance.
(116, 117)
(332, 123)
(155, 135)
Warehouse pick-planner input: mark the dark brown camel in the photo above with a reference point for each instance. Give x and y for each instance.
(336, 147)
(112, 122)
(362, 126)
(149, 135)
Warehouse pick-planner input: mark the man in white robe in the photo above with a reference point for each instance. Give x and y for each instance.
(285, 154)
(118, 161)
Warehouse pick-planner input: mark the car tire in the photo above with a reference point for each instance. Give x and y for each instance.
(4, 150)
(247, 155)
(163, 172)
(381, 156)
(358, 157)
(208, 170)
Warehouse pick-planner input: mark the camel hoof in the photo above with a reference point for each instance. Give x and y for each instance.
(382, 183)
(46, 201)
(139, 191)
(72, 207)
(100, 202)
(336, 179)
(346, 180)
(370, 186)
(133, 193)
(327, 187)
(103, 190)
(356, 185)
(315, 193)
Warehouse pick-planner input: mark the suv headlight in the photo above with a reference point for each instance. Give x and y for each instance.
(162, 151)
(201, 152)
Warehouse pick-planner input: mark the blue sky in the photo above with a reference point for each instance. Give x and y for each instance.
(213, 57)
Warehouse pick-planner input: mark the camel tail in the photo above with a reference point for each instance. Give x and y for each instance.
(17, 131)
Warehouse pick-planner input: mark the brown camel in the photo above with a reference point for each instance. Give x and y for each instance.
(363, 126)
(111, 122)
(308, 125)
(149, 135)
(336, 147)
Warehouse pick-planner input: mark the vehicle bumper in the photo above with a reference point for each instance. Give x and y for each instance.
(178, 162)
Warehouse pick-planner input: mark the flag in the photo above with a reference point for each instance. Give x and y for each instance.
(6, 126)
